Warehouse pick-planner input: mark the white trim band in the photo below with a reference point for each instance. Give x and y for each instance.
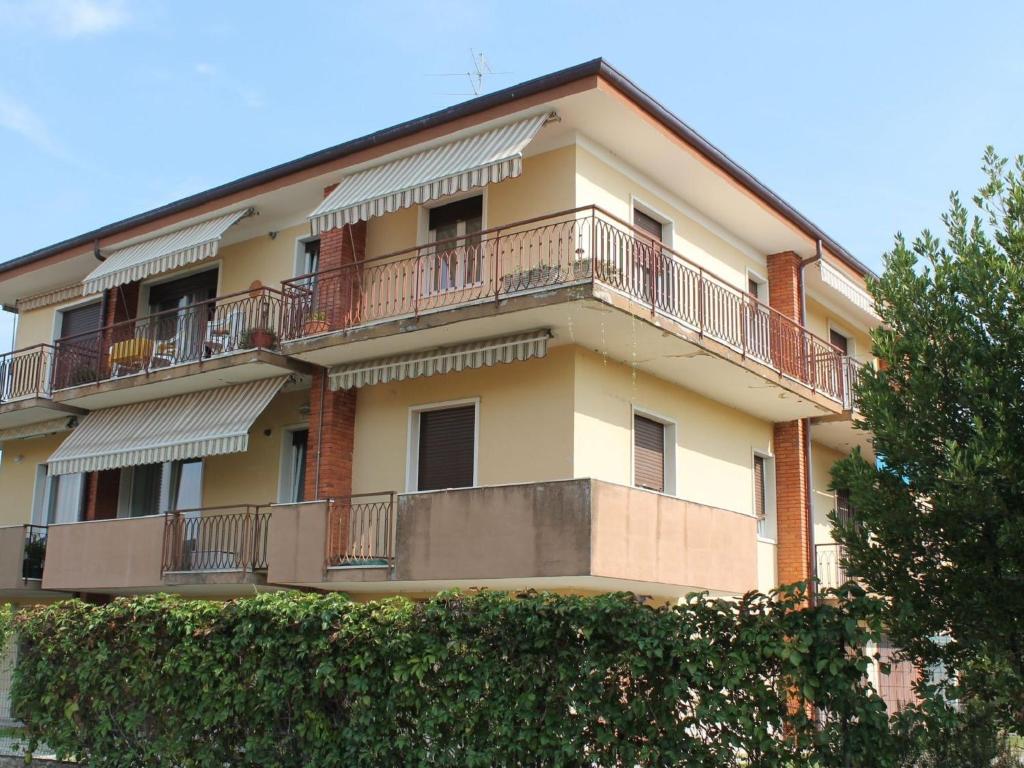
(457, 166)
(439, 361)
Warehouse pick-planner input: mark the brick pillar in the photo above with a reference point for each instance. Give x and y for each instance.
(332, 417)
(785, 295)
(792, 501)
(339, 293)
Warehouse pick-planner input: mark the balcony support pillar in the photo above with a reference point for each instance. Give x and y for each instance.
(795, 545)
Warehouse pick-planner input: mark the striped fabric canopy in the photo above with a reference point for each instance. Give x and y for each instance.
(434, 362)
(205, 423)
(161, 254)
(460, 165)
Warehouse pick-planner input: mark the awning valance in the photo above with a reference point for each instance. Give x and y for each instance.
(478, 354)
(460, 165)
(160, 254)
(205, 423)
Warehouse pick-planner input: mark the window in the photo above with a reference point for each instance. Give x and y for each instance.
(648, 453)
(458, 262)
(307, 257)
(649, 225)
(81, 319)
(647, 265)
(180, 327)
(151, 489)
(760, 508)
(293, 466)
(757, 287)
(845, 513)
(57, 498)
(839, 340)
(764, 496)
(444, 448)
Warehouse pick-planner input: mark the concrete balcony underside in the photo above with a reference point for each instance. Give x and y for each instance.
(234, 368)
(595, 317)
(34, 410)
(583, 535)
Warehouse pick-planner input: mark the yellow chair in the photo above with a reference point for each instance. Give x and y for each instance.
(130, 354)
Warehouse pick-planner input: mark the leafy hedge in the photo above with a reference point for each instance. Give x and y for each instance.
(485, 679)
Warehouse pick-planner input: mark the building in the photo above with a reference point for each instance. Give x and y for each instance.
(550, 337)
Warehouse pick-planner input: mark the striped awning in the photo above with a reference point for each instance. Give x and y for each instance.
(845, 287)
(478, 354)
(205, 423)
(161, 254)
(474, 161)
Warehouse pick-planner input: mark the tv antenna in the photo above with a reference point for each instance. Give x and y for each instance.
(476, 76)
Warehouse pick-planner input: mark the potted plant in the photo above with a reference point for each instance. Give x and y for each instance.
(317, 323)
(259, 338)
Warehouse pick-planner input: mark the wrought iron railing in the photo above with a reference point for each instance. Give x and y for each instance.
(216, 539)
(26, 373)
(897, 677)
(222, 325)
(361, 529)
(584, 245)
(852, 370)
(34, 553)
(830, 565)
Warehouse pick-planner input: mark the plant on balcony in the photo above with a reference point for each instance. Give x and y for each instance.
(317, 323)
(34, 557)
(259, 338)
(82, 374)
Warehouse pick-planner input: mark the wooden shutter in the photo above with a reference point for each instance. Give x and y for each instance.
(648, 224)
(80, 319)
(759, 503)
(648, 454)
(446, 448)
(838, 340)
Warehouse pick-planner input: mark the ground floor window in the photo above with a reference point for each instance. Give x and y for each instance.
(653, 453)
(151, 489)
(57, 498)
(443, 447)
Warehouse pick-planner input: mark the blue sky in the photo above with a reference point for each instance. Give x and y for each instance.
(863, 116)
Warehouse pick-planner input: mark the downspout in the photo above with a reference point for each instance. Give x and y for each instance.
(319, 438)
(812, 565)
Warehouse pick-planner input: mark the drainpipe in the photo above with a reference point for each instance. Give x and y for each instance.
(812, 565)
(319, 438)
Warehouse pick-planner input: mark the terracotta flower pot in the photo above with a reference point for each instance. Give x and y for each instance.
(313, 327)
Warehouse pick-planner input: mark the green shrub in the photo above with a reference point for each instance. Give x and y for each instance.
(485, 679)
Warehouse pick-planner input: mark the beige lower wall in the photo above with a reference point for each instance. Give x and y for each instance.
(714, 443)
(18, 475)
(105, 554)
(253, 477)
(525, 426)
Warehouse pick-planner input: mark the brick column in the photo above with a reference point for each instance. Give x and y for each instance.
(793, 551)
(339, 293)
(790, 440)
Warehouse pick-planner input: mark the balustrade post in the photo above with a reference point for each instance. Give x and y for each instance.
(495, 264)
(700, 302)
(416, 285)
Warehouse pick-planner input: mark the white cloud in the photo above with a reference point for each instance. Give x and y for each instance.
(64, 18)
(251, 97)
(20, 119)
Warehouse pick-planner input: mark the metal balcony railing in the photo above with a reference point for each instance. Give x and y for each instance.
(34, 553)
(361, 529)
(26, 373)
(230, 538)
(830, 565)
(584, 245)
(222, 325)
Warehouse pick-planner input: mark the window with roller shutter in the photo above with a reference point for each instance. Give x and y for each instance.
(648, 453)
(760, 506)
(446, 451)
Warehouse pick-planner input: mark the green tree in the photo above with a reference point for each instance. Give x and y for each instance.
(939, 526)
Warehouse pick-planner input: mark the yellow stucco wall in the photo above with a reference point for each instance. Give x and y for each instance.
(714, 443)
(598, 183)
(525, 431)
(823, 501)
(547, 185)
(252, 477)
(18, 475)
(261, 258)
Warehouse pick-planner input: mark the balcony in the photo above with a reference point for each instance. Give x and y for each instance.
(22, 556)
(526, 275)
(215, 551)
(25, 392)
(226, 340)
(830, 565)
(581, 534)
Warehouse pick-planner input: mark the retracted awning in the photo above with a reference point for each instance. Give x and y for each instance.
(434, 362)
(160, 254)
(205, 423)
(861, 300)
(474, 161)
